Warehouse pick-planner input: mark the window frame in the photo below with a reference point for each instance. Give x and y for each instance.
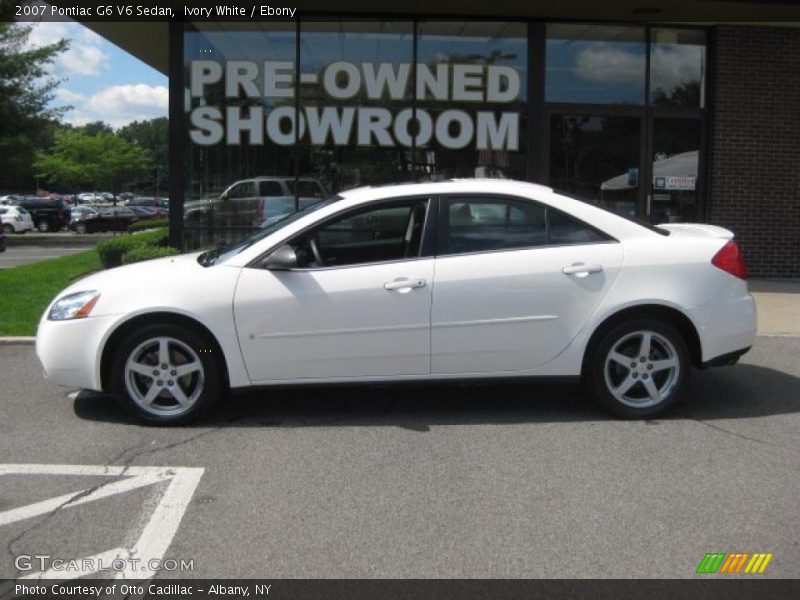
(443, 201)
(427, 241)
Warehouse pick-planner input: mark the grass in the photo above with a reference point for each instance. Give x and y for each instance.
(25, 291)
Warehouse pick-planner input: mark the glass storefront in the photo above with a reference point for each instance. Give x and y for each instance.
(280, 115)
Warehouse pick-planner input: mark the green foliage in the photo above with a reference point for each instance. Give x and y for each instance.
(28, 289)
(153, 136)
(27, 117)
(111, 251)
(147, 224)
(100, 161)
(140, 253)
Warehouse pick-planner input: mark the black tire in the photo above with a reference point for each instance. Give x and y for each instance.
(8, 229)
(608, 378)
(80, 228)
(185, 342)
(43, 226)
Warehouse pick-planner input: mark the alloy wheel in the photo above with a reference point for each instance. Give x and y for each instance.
(164, 376)
(642, 369)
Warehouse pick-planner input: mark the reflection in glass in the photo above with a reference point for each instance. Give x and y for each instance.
(674, 190)
(596, 159)
(595, 64)
(677, 67)
(355, 81)
(229, 150)
(472, 91)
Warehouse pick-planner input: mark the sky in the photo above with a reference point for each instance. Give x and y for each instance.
(100, 81)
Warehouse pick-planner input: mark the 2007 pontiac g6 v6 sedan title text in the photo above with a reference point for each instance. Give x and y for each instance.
(449, 280)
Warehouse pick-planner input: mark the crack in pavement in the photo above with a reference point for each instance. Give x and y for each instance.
(137, 451)
(746, 437)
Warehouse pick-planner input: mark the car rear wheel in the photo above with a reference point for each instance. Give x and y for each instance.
(8, 228)
(43, 226)
(166, 374)
(639, 368)
(80, 228)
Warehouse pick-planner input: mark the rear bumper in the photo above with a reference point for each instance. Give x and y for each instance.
(727, 327)
(725, 360)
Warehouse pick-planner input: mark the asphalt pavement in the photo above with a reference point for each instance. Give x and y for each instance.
(445, 481)
(23, 255)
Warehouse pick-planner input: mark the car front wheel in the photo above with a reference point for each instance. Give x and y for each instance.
(639, 368)
(44, 226)
(167, 374)
(8, 229)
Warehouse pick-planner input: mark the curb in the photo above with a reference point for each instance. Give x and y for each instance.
(17, 340)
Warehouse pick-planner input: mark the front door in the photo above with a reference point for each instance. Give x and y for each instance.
(358, 305)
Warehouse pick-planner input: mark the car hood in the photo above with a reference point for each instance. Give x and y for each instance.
(160, 282)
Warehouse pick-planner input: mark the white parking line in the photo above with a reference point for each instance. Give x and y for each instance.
(157, 533)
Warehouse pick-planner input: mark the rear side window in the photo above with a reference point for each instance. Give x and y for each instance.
(307, 189)
(483, 224)
(270, 189)
(563, 229)
(490, 224)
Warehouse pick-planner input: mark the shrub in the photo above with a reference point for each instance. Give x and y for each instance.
(140, 253)
(111, 251)
(147, 224)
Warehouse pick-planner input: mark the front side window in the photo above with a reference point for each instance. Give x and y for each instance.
(241, 190)
(384, 233)
(489, 224)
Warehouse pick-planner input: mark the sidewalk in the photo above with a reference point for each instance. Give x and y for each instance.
(778, 305)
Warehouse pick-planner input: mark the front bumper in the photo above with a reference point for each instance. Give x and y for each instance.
(70, 351)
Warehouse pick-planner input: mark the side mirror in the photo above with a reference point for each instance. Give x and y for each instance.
(282, 258)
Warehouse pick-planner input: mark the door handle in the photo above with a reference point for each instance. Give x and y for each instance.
(581, 269)
(404, 284)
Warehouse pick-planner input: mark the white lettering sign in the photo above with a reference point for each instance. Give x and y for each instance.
(271, 118)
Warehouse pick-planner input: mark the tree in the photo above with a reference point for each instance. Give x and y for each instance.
(96, 127)
(100, 162)
(27, 119)
(153, 135)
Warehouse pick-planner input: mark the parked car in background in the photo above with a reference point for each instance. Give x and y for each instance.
(15, 219)
(47, 214)
(94, 198)
(261, 200)
(3, 242)
(81, 213)
(151, 212)
(125, 197)
(10, 199)
(117, 218)
(150, 202)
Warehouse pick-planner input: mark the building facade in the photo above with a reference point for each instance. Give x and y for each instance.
(654, 121)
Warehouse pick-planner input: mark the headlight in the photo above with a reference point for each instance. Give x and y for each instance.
(74, 306)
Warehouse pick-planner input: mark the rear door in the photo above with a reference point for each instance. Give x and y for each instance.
(515, 282)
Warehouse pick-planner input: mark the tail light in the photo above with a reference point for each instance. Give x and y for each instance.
(730, 259)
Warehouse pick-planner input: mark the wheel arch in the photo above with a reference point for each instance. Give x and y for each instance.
(172, 318)
(668, 314)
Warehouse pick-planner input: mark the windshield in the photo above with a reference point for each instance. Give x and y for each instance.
(220, 255)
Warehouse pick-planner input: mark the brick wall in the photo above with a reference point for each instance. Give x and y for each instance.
(755, 145)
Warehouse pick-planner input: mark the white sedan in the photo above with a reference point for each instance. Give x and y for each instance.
(465, 279)
(15, 219)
